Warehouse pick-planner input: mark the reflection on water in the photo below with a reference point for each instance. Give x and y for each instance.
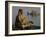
(35, 19)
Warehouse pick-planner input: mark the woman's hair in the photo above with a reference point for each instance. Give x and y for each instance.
(20, 11)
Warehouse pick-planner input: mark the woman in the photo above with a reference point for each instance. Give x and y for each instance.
(21, 20)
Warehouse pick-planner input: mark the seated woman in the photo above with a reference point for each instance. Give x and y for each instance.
(21, 21)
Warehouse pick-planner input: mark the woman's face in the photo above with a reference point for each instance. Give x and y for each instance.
(20, 12)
